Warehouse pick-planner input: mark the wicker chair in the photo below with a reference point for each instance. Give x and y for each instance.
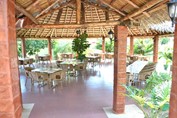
(27, 74)
(59, 77)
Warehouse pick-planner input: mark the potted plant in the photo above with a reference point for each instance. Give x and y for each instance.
(79, 45)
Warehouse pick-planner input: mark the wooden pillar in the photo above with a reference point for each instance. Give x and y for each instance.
(120, 47)
(131, 52)
(23, 47)
(10, 95)
(50, 48)
(78, 11)
(155, 50)
(173, 95)
(103, 47)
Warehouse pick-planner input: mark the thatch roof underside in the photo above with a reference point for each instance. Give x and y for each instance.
(61, 18)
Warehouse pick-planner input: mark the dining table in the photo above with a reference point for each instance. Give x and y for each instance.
(48, 71)
(93, 59)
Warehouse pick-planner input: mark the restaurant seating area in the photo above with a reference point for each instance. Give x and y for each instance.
(51, 72)
(81, 96)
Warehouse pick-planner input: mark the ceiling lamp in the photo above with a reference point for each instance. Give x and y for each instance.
(111, 36)
(172, 10)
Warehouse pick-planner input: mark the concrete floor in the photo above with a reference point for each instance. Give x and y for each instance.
(83, 96)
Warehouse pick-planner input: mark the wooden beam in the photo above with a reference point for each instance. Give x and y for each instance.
(58, 16)
(110, 6)
(106, 15)
(94, 24)
(141, 9)
(46, 9)
(82, 13)
(30, 6)
(131, 3)
(99, 7)
(78, 11)
(53, 10)
(136, 6)
(22, 10)
(112, 1)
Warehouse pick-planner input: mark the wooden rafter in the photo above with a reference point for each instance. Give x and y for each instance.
(106, 15)
(66, 14)
(53, 10)
(112, 1)
(46, 9)
(136, 6)
(93, 24)
(58, 16)
(78, 11)
(30, 6)
(82, 13)
(98, 6)
(110, 6)
(26, 13)
(71, 16)
(141, 9)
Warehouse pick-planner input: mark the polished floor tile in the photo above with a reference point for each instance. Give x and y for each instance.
(83, 96)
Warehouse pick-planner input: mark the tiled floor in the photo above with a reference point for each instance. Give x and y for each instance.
(80, 97)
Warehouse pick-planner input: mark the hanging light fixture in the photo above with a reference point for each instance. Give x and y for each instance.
(172, 10)
(111, 36)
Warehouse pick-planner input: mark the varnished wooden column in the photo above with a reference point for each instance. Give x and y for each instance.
(155, 50)
(103, 47)
(50, 48)
(23, 47)
(120, 47)
(131, 52)
(173, 95)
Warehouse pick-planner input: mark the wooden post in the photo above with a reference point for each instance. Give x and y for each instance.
(173, 95)
(78, 11)
(23, 47)
(131, 52)
(155, 50)
(120, 47)
(50, 48)
(103, 47)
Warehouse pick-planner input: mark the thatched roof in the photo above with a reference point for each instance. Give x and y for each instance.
(61, 18)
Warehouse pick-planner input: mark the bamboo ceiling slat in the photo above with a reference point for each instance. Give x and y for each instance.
(94, 12)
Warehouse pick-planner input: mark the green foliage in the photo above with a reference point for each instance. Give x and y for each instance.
(143, 47)
(79, 45)
(109, 46)
(61, 47)
(167, 55)
(164, 40)
(32, 46)
(153, 100)
(19, 48)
